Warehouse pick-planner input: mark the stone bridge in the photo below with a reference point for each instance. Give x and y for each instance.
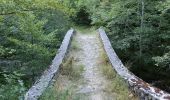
(139, 87)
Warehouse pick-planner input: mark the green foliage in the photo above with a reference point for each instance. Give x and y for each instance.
(30, 33)
(13, 86)
(142, 39)
(163, 61)
(82, 17)
(32, 30)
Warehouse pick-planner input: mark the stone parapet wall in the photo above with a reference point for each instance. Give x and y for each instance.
(41, 84)
(142, 89)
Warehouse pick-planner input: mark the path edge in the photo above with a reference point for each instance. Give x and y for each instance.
(141, 88)
(43, 82)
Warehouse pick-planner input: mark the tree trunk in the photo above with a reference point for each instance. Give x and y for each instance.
(141, 27)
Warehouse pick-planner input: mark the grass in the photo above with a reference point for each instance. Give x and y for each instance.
(85, 29)
(106, 67)
(74, 45)
(120, 89)
(117, 85)
(70, 69)
(57, 92)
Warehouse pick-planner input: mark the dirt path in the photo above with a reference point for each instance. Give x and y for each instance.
(95, 82)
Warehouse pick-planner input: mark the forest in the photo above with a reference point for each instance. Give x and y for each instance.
(31, 31)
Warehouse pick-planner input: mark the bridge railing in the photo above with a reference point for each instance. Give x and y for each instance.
(41, 84)
(142, 89)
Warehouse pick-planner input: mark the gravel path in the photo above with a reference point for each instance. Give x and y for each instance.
(95, 82)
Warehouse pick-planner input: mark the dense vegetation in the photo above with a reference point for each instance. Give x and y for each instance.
(32, 30)
(30, 33)
(139, 31)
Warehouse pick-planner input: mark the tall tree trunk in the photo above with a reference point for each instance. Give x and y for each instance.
(141, 27)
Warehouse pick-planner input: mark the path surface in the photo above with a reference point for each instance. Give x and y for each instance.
(95, 82)
(86, 50)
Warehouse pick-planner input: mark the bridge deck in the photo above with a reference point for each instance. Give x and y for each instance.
(87, 51)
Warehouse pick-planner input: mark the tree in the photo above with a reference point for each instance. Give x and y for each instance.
(30, 33)
(139, 33)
